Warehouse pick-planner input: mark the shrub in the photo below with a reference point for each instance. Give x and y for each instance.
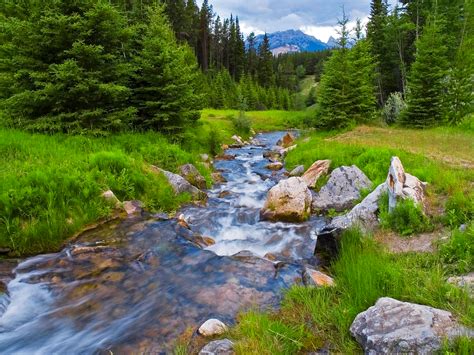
(242, 123)
(393, 108)
(405, 219)
(459, 209)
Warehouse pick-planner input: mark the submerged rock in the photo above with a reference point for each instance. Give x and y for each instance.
(218, 347)
(315, 171)
(403, 186)
(289, 200)
(275, 166)
(395, 327)
(363, 214)
(212, 327)
(298, 171)
(342, 189)
(181, 185)
(193, 176)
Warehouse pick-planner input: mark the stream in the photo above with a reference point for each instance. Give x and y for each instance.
(137, 284)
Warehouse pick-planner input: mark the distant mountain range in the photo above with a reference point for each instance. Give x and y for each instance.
(291, 41)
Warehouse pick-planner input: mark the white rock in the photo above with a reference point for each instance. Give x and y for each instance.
(298, 171)
(403, 186)
(110, 197)
(394, 327)
(212, 327)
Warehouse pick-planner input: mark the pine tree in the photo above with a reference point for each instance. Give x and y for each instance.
(265, 67)
(334, 99)
(165, 80)
(426, 79)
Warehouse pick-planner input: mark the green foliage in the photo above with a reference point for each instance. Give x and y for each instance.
(51, 185)
(346, 94)
(393, 108)
(242, 123)
(83, 67)
(426, 80)
(459, 209)
(405, 219)
(458, 252)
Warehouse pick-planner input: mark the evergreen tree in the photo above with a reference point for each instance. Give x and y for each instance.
(165, 79)
(426, 79)
(265, 66)
(64, 62)
(252, 60)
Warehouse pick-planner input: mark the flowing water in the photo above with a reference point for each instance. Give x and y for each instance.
(137, 284)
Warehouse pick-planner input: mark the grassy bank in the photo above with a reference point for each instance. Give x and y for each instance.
(365, 270)
(314, 318)
(51, 185)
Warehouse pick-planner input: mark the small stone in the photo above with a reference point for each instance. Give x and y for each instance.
(212, 327)
(193, 176)
(225, 157)
(224, 147)
(218, 178)
(318, 278)
(204, 158)
(465, 282)
(110, 197)
(223, 194)
(133, 207)
(182, 221)
(218, 347)
(298, 171)
(275, 166)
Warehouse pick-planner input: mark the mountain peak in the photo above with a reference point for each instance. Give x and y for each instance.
(292, 41)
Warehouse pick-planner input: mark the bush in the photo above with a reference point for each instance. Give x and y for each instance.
(459, 209)
(242, 123)
(393, 108)
(405, 219)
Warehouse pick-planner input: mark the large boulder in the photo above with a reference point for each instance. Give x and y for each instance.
(315, 171)
(395, 327)
(342, 189)
(193, 176)
(363, 214)
(286, 141)
(289, 200)
(403, 186)
(181, 185)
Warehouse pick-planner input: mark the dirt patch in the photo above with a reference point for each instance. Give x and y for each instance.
(421, 243)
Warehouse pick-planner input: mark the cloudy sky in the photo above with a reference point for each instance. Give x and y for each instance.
(315, 17)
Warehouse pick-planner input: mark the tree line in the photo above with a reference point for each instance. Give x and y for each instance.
(415, 64)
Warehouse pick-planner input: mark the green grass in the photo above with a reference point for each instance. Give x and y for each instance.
(51, 185)
(261, 121)
(311, 317)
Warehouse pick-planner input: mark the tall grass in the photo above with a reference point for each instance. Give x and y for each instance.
(51, 185)
(313, 317)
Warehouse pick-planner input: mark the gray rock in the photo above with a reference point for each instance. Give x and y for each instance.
(212, 327)
(289, 200)
(394, 327)
(218, 347)
(298, 171)
(342, 189)
(181, 185)
(363, 214)
(133, 207)
(204, 158)
(110, 197)
(193, 176)
(286, 141)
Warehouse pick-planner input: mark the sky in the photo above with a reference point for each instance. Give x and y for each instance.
(314, 17)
